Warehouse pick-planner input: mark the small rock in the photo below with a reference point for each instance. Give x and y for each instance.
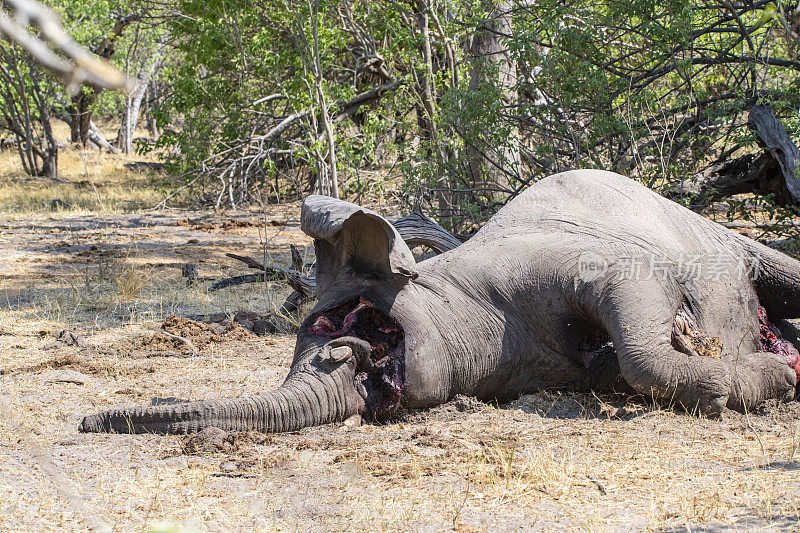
(189, 271)
(263, 327)
(65, 375)
(246, 323)
(353, 422)
(219, 328)
(243, 316)
(58, 203)
(71, 338)
(228, 467)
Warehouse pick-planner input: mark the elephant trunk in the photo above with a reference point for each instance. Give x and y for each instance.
(304, 399)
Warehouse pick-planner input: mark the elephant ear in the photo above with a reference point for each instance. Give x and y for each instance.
(353, 239)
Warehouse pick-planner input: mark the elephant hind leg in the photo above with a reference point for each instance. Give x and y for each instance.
(639, 315)
(755, 377)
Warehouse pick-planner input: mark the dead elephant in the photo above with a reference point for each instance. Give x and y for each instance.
(581, 264)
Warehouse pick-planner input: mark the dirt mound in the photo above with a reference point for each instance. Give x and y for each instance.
(209, 440)
(200, 333)
(186, 336)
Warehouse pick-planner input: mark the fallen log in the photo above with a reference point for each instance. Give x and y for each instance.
(774, 138)
(307, 284)
(249, 261)
(775, 171)
(750, 173)
(98, 140)
(297, 280)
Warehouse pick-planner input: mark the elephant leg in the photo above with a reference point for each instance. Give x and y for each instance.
(757, 377)
(639, 315)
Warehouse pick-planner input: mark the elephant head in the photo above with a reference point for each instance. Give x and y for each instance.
(350, 355)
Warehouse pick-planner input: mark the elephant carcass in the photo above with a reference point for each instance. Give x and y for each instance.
(584, 266)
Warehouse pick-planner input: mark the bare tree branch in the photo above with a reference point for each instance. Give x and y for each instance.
(84, 66)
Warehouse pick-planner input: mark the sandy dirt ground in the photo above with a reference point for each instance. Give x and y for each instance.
(545, 462)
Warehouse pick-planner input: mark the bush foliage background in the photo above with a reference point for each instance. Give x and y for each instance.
(453, 105)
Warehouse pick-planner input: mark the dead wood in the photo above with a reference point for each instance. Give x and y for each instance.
(183, 340)
(293, 278)
(249, 261)
(772, 135)
(750, 173)
(297, 259)
(236, 280)
(775, 171)
(98, 140)
(300, 294)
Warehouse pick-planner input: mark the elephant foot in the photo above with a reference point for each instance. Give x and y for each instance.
(771, 373)
(760, 376)
(709, 392)
(700, 385)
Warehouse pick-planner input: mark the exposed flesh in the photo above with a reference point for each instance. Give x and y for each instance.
(380, 380)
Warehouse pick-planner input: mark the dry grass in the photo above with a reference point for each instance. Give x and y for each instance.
(90, 181)
(546, 462)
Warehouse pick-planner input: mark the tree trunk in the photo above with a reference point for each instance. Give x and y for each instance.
(331, 185)
(491, 65)
(37, 146)
(152, 105)
(133, 103)
(773, 172)
(80, 112)
(74, 123)
(750, 173)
